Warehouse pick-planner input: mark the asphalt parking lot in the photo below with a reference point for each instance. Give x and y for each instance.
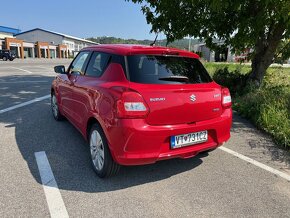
(247, 177)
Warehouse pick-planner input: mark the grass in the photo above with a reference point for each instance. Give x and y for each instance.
(212, 67)
(268, 107)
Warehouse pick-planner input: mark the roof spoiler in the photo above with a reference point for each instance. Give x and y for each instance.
(170, 53)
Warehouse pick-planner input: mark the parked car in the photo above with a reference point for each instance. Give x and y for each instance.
(137, 105)
(7, 55)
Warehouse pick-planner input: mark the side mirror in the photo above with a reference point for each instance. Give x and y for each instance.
(60, 69)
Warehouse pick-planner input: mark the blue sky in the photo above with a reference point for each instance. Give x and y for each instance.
(81, 18)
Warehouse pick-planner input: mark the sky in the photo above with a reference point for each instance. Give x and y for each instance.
(80, 18)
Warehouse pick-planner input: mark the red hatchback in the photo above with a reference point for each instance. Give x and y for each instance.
(141, 104)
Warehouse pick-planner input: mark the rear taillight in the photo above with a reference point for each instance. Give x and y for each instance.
(131, 105)
(226, 98)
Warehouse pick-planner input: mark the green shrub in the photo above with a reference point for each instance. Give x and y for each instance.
(268, 107)
(235, 81)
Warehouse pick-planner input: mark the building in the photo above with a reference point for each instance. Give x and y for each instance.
(40, 43)
(220, 55)
(7, 32)
(51, 44)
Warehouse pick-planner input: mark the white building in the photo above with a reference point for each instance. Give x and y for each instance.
(73, 44)
(6, 32)
(220, 55)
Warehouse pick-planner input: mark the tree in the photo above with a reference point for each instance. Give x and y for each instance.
(258, 24)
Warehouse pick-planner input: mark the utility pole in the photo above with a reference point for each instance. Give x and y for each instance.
(189, 44)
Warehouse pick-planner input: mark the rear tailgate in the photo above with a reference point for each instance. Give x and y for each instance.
(178, 104)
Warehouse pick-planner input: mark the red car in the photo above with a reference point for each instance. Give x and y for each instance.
(140, 104)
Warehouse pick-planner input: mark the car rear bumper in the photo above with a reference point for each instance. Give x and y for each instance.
(134, 142)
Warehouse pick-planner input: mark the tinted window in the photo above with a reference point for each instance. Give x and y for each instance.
(98, 64)
(166, 70)
(78, 64)
(119, 59)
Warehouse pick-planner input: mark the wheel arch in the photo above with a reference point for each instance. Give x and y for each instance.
(54, 91)
(91, 121)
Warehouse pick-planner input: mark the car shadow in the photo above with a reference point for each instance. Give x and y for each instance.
(68, 153)
(16, 89)
(69, 158)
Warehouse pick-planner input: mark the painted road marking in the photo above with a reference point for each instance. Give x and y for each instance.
(24, 104)
(46, 68)
(53, 197)
(256, 163)
(27, 81)
(27, 71)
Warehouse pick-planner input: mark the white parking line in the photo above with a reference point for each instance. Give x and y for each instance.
(46, 68)
(27, 71)
(256, 163)
(53, 197)
(24, 104)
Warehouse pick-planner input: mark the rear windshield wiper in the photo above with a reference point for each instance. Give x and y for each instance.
(175, 78)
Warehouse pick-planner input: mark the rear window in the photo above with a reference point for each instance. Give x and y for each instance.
(152, 69)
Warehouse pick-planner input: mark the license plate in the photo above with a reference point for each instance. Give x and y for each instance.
(188, 139)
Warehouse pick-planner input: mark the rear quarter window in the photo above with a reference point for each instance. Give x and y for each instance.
(98, 64)
(153, 69)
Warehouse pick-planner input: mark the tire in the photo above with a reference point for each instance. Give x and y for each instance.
(11, 59)
(101, 159)
(4, 58)
(54, 108)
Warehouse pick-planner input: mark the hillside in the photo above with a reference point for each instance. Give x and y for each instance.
(182, 44)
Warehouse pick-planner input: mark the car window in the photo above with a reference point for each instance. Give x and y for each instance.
(98, 64)
(79, 63)
(154, 69)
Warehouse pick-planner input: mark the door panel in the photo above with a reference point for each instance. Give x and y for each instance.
(75, 71)
(64, 90)
(78, 100)
(85, 87)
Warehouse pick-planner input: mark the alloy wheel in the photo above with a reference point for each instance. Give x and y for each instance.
(97, 150)
(54, 106)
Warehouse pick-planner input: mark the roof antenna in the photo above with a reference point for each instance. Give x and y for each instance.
(153, 43)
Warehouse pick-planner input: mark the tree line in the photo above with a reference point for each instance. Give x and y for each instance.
(182, 43)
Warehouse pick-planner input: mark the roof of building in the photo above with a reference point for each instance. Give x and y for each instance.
(60, 34)
(130, 49)
(9, 30)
